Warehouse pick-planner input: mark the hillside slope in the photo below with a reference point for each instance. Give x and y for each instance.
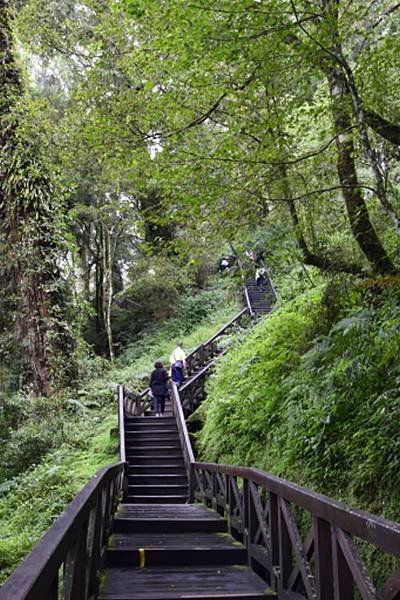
(312, 394)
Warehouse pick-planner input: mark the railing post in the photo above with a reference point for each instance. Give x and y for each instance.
(214, 490)
(245, 506)
(75, 567)
(343, 579)
(274, 539)
(94, 548)
(121, 422)
(202, 355)
(52, 594)
(285, 551)
(191, 483)
(323, 558)
(252, 520)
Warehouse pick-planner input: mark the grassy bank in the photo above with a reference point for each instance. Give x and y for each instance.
(312, 394)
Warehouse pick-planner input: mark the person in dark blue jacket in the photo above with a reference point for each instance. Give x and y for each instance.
(159, 388)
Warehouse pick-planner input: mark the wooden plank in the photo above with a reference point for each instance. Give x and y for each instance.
(167, 583)
(360, 576)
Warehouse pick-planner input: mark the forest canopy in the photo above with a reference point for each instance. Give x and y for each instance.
(142, 140)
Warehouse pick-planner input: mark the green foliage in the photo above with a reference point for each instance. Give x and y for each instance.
(30, 503)
(344, 404)
(313, 395)
(246, 390)
(32, 427)
(51, 448)
(197, 318)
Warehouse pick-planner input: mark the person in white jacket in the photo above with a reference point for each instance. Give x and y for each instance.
(178, 364)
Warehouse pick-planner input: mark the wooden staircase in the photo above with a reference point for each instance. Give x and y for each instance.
(155, 464)
(260, 301)
(171, 552)
(264, 531)
(162, 547)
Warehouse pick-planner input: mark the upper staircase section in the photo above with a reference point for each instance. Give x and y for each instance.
(260, 299)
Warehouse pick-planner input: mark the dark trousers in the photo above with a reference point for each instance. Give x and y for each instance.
(260, 283)
(159, 404)
(177, 375)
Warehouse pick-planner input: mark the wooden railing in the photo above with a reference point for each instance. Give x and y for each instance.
(136, 404)
(203, 353)
(65, 562)
(186, 445)
(248, 303)
(305, 545)
(275, 296)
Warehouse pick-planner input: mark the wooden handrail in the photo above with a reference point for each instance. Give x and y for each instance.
(76, 540)
(377, 530)
(186, 445)
(199, 374)
(246, 295)
(182, 427)
(268, 514)
(273, 288)
(121, 422)
(220, 332)
(227, 326)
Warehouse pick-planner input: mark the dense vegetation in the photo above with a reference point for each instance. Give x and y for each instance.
(141, 142)
(312, 395)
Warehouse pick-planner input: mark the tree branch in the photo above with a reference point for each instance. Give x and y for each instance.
(389, 131)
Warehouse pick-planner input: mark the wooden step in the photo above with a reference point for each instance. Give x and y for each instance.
(169, 469)
(150, 421)
(167, 518)
(150, 450)
(155, 459)
(141, 431)
(173, 583)
(157, 479)
(154, 549)
(152, 441)
(143, 499)
(167, 489)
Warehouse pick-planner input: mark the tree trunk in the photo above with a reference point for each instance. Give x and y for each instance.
(357, 211)
(362, 127)
(310, 258)
(29, 226)
(108, 255)
(342, 103)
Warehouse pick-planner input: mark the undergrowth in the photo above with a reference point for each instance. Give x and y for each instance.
(312, 394)
(31, 502)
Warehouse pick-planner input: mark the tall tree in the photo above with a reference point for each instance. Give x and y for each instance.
(32, 238)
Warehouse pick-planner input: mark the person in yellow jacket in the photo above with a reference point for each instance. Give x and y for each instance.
(178, 364)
